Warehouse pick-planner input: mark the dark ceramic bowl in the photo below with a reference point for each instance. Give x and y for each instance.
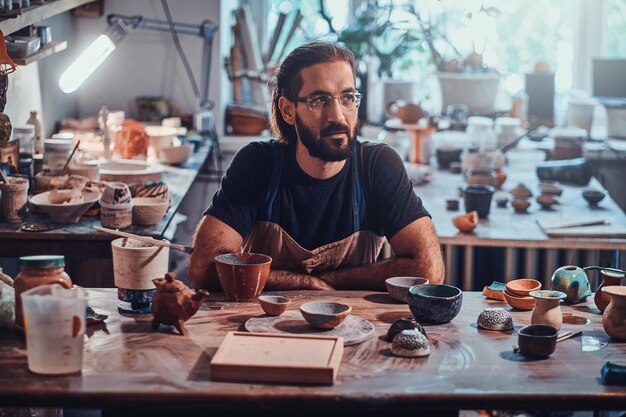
(323, 315)
(437, 303)
(593, 197)
(405, 323)
(537, 340)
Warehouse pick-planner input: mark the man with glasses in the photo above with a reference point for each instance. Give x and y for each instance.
(317, 200)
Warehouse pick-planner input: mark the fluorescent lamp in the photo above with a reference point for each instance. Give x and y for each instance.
(92, 57)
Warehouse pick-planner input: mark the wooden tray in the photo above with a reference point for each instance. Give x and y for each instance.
(268, 357)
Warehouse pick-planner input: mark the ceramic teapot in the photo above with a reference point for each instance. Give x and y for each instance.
(408, 112)
(573, 281)
(174, 303)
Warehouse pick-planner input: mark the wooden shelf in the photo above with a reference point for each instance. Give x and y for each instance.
(18, 19)
(46, 50)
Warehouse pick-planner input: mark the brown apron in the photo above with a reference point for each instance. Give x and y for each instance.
(360, 248)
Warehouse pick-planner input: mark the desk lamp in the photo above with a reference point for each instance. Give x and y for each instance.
(119, 27)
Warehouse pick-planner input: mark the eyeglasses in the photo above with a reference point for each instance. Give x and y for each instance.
(349, 101)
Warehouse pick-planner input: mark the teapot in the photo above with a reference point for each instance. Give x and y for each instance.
(174, 303)
(573, 281)
(408, 112)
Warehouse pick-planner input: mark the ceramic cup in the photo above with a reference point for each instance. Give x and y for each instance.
(14, 199)
(478, 198)
(242, 275)
(537, 340)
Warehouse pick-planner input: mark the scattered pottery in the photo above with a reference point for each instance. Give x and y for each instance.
(478, 198)
(405, 323)
(398, 287)
(438, 303)
(593, 197)
(466, 223)
(610, 276)
(519, 303)
(174, 303)
(148, 211)
(452, 204)
(274, 305)
(573, 281)
(522, 287)
(551, 187)
(546, 201)
(521, 191)
(242, 275)
(495, 291)
(66, 212)
(501, 199)
(536, 340)
(520, 204)
(408, 112)
(324, 315)
(613, 317)
(410, 343)
(547, 310)
(495, 318)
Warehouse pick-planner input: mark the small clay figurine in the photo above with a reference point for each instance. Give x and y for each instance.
(174, 303)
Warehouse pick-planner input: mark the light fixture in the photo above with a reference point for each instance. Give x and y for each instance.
(93, 56)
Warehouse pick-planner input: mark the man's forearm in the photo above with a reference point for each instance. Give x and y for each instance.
(285, 280)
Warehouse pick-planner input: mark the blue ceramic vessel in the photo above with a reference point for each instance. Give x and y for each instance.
(573, 281)
(438, 303)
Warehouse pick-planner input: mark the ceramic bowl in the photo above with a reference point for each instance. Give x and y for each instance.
(520, 204)
(148, 211)
(274, 305)
(410, 344)
(174, 155)
(405, 323)
(466, 223)
(398, 287)
(438, 303)
(551, 187)
(66, 213)
(547, 200)
(521, 287)
(324, 315)
(161, 136)
(495, 318)
(116, 195)
(593, 197)
(242, 275)
(537, 340)
(519, 303)
(501, 198)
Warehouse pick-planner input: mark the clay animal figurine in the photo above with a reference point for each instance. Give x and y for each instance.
(174, 303)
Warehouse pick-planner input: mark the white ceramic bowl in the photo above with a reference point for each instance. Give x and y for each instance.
(65, 213)
(176, 154)
(161, 137)
(148, 211)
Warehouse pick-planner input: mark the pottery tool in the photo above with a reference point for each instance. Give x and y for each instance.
(566, 335)
(67, 163)
(146, 239)
(581, 224)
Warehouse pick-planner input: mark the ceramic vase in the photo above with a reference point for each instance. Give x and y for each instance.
(614, 317)
(547, 308)
(608, 278)
(573, 281)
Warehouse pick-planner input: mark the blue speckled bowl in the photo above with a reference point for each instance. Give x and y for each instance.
(438, 303)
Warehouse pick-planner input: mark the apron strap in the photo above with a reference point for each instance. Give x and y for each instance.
(358, 195)
(272, 210)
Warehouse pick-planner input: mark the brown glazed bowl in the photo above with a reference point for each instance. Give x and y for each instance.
(522, 287)
(274, 305)
(519, 303)
(466, 223)
(242, 275)
(324, 315)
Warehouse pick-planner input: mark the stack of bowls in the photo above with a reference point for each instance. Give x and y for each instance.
(517, 292)
(116, 206)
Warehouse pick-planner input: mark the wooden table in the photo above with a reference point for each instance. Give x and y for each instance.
(129, 366)
(80, 243)
(506, 229)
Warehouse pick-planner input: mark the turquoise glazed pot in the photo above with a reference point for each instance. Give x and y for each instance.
(573, 281)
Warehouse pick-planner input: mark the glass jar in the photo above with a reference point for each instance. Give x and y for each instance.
(480, 134)
(35, 271)
(55, 155)
(26, 135)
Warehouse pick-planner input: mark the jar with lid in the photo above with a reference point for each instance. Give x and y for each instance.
(397, 138)
(55, 155)
(35, 271)
(26, 135)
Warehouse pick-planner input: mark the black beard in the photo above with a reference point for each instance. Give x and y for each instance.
(329, 150)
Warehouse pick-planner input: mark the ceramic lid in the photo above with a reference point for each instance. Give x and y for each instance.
(43, 261)
(171, 284)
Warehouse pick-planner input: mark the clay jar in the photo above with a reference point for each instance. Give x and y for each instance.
(573, 281)
(547, 309)
(409, 113)
(614, 317)
(242, 275)
(174, 303)
(609, 277)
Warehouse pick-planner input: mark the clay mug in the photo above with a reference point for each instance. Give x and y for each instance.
(610, 276)
(242, 275)
(408, 112)
(613, 318)
(573, 281)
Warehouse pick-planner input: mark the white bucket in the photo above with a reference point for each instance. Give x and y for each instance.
(136, 264)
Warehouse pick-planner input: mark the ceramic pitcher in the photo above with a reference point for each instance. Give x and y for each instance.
(610, 276)
(614, 317)
(573, 281)
(547, 308)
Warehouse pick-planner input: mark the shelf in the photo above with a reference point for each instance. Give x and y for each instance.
(15, 20)
(48, 49)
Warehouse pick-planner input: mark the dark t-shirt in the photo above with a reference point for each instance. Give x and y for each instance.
(316, 212)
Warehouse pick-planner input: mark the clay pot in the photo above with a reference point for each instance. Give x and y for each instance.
(593, 197)
(409, 113)
(551, 187)
(174, 303)
(242, 275)
(547, 309)
(435, 303)
(520, 204)
(522, 287)
(614, 317)
(609, 277)
(573, 281)
(536, 340)
(274, 305)
(546, 201)
(466, 223)
(521, 191)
